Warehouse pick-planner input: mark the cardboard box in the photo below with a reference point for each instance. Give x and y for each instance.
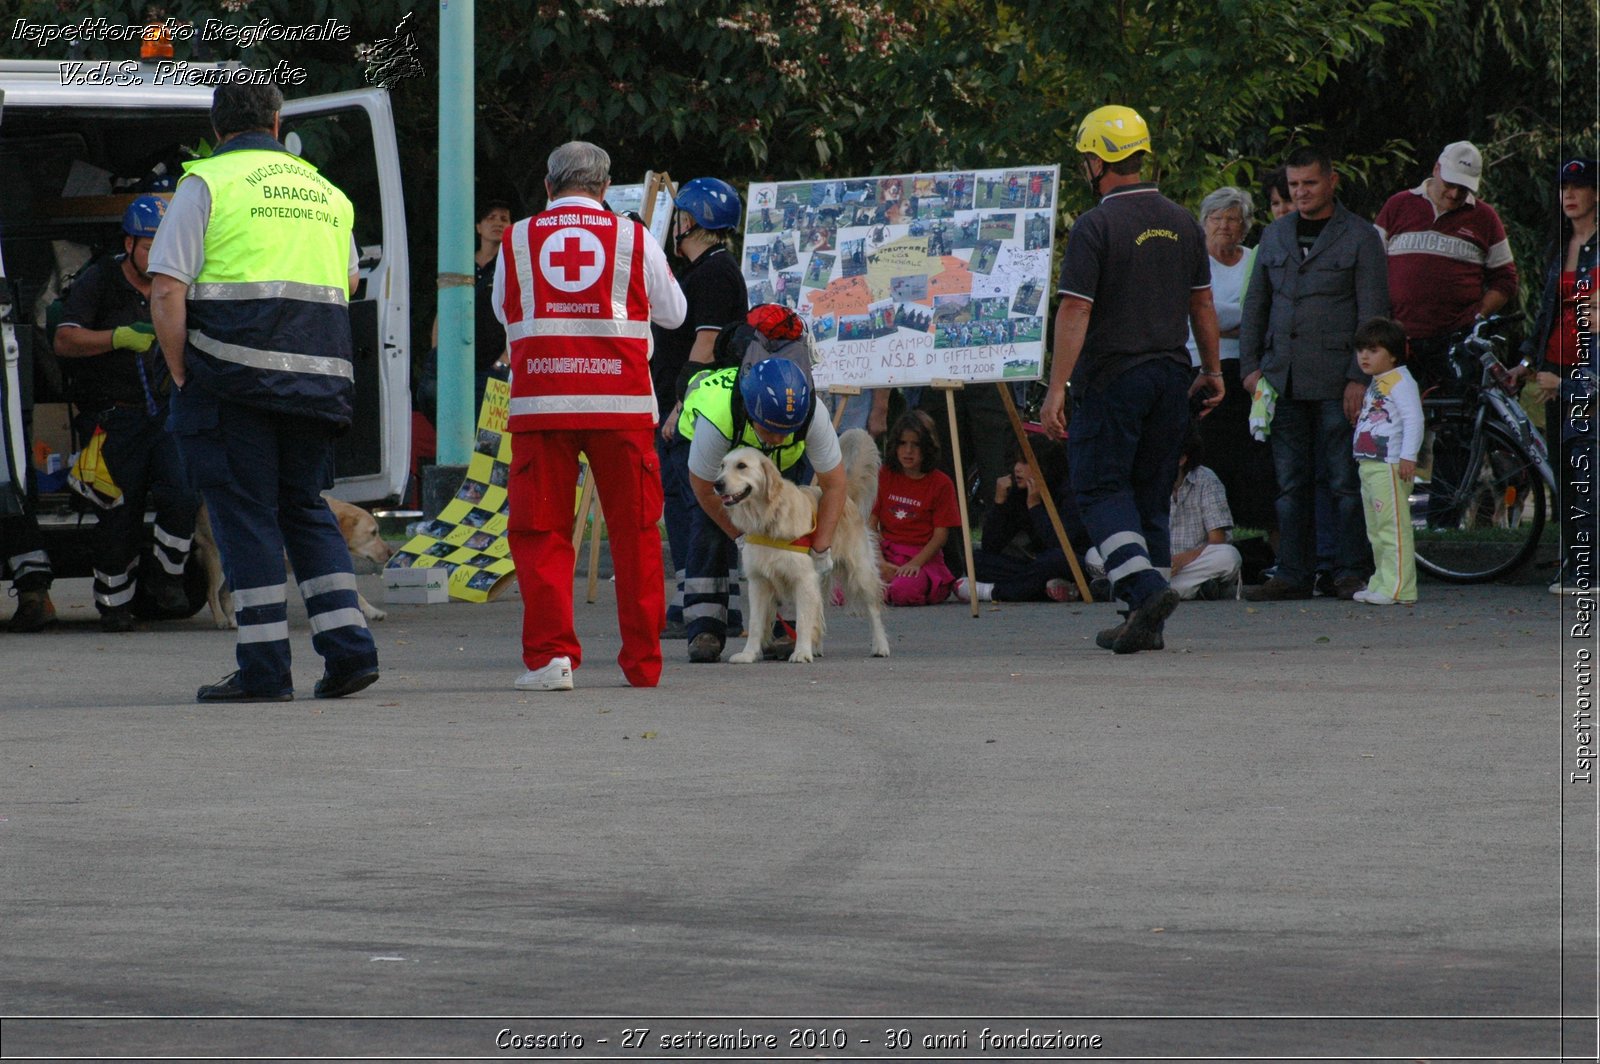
(437, 576)
(417, 596)
(416, 586)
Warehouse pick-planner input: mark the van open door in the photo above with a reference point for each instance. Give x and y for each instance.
(13, 450)
(349, 138)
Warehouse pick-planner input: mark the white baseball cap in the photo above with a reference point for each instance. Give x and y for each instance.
(1461, 164)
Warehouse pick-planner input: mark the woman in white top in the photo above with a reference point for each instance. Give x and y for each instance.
(1243, 464)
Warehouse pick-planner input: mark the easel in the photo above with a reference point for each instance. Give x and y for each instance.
(847, 391)
(589, 515)
(1045, 495)
(950, 387)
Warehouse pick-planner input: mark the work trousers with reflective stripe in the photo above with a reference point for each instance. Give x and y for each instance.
(1123, 443)
(25, 562)
(142, 457)
(627, 477)
(262, 476)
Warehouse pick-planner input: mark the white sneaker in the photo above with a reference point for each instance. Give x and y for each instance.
(1372, 599)
(964, 587)
(556, 676)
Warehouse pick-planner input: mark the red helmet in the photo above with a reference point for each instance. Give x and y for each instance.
(776, 321)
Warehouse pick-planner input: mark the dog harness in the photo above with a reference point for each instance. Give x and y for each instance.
(800, 544)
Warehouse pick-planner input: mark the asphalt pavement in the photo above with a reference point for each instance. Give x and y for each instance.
(1313, 829)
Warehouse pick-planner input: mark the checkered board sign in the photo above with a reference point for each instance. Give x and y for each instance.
(468, 538)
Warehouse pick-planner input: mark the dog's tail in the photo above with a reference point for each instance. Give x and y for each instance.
(861, 463)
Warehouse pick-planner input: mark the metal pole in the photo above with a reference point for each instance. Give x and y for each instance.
(456, 242)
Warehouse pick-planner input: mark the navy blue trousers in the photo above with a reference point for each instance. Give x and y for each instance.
(678, 508)
(262, 476)
(144, 462)
(1311, 441)
(1123, 444)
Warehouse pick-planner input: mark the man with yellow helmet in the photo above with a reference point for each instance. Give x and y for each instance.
(1134, 278)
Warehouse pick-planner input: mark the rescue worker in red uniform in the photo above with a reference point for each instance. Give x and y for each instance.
(577, 288)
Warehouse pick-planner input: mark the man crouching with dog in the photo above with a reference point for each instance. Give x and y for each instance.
(577, 288)
(777, 408)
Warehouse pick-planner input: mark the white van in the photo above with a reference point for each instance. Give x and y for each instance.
(77, 145)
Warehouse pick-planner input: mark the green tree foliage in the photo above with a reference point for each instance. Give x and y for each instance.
(763, 89)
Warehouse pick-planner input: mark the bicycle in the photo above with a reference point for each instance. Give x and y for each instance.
(1481, 498)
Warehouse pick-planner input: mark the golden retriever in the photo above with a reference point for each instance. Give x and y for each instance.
(360, 531)
(765, 506)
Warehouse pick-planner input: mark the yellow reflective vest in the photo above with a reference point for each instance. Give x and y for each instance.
(711, 395)
(269, 321)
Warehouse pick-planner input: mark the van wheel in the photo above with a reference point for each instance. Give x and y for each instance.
(194, 590)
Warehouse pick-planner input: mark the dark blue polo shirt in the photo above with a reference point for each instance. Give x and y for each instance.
(102, 298)
(1137, 256)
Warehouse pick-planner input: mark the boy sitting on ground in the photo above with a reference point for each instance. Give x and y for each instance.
(1204, 564)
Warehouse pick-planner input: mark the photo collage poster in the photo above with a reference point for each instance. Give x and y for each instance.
(912, 278)
(468, 538)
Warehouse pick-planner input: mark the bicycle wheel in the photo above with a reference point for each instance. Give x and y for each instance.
(1479, 508)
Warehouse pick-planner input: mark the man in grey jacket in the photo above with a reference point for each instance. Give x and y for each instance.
(1320, 272)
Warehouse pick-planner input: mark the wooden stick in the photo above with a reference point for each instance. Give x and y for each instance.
(1045, 495)
(585, 502)
(594, 550)
(949, 387)
(838, 414)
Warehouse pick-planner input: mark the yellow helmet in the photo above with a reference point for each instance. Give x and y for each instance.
(1113, 133)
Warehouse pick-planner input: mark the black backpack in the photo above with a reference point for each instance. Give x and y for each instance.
(743, 345)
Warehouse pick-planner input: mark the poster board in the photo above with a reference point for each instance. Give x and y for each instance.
(468, 538)
(910, 278)
(625, 198)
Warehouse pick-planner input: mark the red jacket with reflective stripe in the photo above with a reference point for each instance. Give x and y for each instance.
(578, 321)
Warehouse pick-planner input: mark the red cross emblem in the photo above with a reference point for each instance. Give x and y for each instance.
(572, 258)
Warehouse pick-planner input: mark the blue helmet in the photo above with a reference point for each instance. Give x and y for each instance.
(143, 216)
(777, 396)
(713, 204)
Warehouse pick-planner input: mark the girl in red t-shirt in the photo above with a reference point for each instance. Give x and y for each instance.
(915, 511)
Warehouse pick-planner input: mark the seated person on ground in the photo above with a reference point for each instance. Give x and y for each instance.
(915, 511)
(1020, 559)
(1204, 564)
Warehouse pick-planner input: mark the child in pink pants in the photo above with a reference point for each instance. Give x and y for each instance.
(915, 511)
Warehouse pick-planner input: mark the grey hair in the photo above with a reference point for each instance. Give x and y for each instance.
(237, 108)
(578, 166)
(1225, 197)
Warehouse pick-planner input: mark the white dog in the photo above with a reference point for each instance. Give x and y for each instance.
(774, 513)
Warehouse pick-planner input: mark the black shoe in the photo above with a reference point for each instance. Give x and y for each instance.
(1277, 590)
(227, 689)
(781, 643)
(116, 619)
(331, 686)
(1218, 588)
(778, 649)
(675, 630)
(1142, 629)
(705, 648)
(1100, 588)
(1346, 589)
(1106, 638)
(1324, 584)
(35, 612)
(171, 601)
